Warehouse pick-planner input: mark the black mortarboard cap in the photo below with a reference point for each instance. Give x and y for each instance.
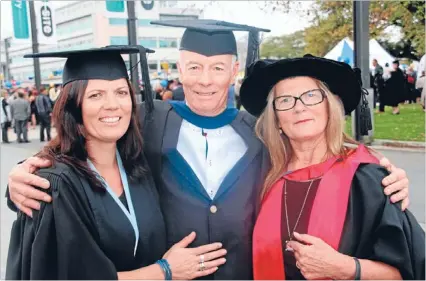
(212, 37)
(103, 63)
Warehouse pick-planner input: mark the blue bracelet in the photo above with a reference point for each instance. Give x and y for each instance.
(165, 266)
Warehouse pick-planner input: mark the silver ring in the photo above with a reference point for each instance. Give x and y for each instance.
(201, 258)
(202, 266)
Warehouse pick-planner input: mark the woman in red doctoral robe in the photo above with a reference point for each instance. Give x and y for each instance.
(323, 213)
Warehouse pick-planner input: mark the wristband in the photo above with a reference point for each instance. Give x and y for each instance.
(357, 269)
(165, 266)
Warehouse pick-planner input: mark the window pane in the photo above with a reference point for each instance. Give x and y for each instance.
(118, 40)
(168, 42)
(148, 42)
(117, 21)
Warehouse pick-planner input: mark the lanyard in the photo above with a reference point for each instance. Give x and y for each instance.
(130, 214)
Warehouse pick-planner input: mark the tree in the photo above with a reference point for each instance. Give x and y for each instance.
(332, 21)
(286, 46)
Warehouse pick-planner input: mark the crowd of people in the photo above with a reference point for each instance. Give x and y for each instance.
(24, 108)
(393, 86)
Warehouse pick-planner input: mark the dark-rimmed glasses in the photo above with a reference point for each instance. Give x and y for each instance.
(308, 98)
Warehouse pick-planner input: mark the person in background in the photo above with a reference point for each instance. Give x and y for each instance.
(5, 116)
(20, 110)
(178, 94)
(395, 88)
(32, 94)
(44, 109)
(231, 96)
(53, 94)
(410, 78)
(378, 85)
(237, 87)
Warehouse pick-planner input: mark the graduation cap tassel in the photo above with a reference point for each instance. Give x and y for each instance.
(252, 49)
(149, 103)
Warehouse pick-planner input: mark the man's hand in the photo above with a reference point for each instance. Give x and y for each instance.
(397, 182)
(21, 185)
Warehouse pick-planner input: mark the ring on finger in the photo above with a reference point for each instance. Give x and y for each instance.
(202, 259)
(202, 266)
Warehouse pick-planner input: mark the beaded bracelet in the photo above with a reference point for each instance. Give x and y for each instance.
(165, 266)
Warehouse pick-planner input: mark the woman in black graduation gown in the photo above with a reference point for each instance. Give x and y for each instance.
(323, 213)
(105, 215)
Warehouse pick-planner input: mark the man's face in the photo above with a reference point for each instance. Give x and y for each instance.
(374, 63)
(206, 80)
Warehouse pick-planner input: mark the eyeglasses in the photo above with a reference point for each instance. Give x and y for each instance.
(308, 98)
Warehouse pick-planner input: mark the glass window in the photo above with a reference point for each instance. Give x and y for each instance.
(117, 21)
(118, 40)
(152, 66)
(148, 42)
(168, 43)
(146, 22)
(178, 17)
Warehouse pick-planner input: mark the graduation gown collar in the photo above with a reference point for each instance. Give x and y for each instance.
(327, 216)
(223, 119)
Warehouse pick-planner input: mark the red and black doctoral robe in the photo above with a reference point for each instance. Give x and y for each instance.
(349, 212)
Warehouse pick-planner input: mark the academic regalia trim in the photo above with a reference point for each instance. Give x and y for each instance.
(205, 122)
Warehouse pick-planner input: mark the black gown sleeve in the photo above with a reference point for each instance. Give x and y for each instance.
(60, 242)
(396, 237)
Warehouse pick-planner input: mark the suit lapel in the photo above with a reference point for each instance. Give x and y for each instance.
(254, 147)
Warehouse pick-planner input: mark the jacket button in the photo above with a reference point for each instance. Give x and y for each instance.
(213, 209)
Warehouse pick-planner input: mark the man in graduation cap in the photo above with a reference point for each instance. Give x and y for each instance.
(206, 161)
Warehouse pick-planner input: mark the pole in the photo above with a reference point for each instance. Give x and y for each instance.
(7, 75)
(37, 76)
(361, 54)
(132, 35)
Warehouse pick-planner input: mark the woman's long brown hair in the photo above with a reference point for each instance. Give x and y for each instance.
(69, 144)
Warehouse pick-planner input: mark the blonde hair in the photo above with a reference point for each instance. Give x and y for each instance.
(278, 145)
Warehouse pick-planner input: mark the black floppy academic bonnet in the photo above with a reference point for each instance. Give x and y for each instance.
(103, 63)
(339, 77)
(212, 37)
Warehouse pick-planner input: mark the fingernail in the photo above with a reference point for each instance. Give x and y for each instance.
(46, 198)
(387, 191)
(296, 233)
(219, 245)
(224, 260)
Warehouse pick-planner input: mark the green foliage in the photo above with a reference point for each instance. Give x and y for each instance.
(286, 46)
(332, 21)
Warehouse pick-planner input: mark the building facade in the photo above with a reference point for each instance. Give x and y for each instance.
(87, 24)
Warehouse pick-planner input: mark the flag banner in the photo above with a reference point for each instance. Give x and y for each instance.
(115, 9)
(21, 23)
(46, 24)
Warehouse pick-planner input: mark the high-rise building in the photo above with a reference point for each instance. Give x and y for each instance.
(86, 24)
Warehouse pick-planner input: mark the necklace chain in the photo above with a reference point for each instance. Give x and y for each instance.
(300, 213)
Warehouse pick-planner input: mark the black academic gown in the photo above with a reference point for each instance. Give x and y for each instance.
(83, 234)
(376, 229)
(373, 228)
(229, 218)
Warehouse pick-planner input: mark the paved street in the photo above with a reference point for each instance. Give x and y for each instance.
(412, 162)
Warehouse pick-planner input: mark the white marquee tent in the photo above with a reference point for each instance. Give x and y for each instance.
(344, 51)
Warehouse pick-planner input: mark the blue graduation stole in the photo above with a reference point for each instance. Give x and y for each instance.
(204, 122)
